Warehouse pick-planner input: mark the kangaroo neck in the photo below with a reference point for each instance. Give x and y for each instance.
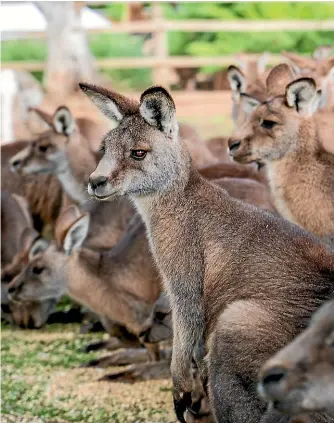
(77, 163)
(153, 206)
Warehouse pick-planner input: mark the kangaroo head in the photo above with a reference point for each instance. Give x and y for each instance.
(45, 275)
(46, 154)
(249, 79)
(27, 238)
(281, 123)
(300, 377)
(141, 156)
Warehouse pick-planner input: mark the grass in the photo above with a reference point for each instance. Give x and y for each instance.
(42, 379)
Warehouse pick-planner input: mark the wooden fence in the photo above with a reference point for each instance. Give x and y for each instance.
(160, 62)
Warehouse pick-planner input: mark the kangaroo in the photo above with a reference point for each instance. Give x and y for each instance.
(281, 133)
(121, 284)
(17, 237)
(43, 194)
(65, 154)
(248, 78)
(197, 233)
(300, 378)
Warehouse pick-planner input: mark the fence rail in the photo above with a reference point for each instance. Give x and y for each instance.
(207, 25)
(147, 62)
(161, 62)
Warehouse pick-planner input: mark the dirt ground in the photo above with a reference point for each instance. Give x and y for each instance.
(42, 381)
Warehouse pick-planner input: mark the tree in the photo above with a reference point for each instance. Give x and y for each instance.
(69, 58)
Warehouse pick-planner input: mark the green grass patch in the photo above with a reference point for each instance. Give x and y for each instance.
(42, 378)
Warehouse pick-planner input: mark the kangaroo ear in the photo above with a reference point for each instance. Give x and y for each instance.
(28, 236)
(38, 247)
(236, 80)
(63, 121)
(302, 95)
(44, 118)
(248, 103)
(279, 77)
(158, 109)
(319, 101)
(76, 234)
(113, 105)
(300, 64)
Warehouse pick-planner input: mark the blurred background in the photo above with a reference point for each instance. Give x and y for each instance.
(184, 46)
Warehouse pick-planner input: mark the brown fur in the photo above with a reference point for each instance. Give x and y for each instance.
(43, 193)
(75, 156)
(232, 170)
(299, 170)
(214, 253)
(309, 357)
(17, 236)
(121, 284)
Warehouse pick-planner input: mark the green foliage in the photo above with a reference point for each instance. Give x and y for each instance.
(122, 45)
(115, 11)
(196, 43)
(102, 46)
(228, 43)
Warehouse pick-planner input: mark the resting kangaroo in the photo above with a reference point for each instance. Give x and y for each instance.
(121, 284)
(17, 236)
(281, 133)
(223, 262)
(300, 377)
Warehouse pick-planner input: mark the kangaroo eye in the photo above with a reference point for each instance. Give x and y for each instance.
(43, 148)
(138, 154)
(37, 270)
(159, 315)
(268, 124)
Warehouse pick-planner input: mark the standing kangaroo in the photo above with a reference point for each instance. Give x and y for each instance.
(250, 79)
(240, 280)
(281, 133)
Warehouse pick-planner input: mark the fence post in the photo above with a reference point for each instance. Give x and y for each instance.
(160, 72)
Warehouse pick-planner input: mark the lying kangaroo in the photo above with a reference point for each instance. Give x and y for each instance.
(121, 284)
(281, 133)
(300, 377)
(223, 262)
(17, 238)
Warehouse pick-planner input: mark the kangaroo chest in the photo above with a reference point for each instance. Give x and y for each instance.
(75, 189)
(277, 176)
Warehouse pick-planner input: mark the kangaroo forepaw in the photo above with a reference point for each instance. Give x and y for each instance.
(181, 403)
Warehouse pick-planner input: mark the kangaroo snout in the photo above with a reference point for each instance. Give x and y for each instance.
(233, 144)
(15, 164)
(97, 181)
(272, 381)
(97, 186)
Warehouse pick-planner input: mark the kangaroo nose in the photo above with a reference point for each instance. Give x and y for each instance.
(233, 145)
(271, 379)
(11, 289)
(15, 164)
(98, 181)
